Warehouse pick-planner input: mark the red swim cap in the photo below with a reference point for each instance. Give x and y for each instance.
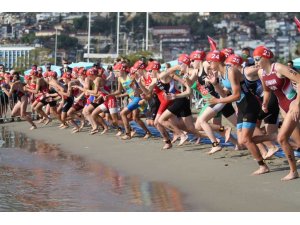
(139, 65)
(197, 55)
(263, 51)
(215, 56)
(154, 65)
(91, 72)
(227, 51)
(27, 77)
(53, 74)
(184, 58)
(234, 60)
(66, 76)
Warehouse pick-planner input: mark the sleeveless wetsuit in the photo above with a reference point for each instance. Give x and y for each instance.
(282, 88)
(248, 105)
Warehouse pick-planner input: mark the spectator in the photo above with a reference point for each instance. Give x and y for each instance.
(65, 68)
(290, 64)
(110, 79)
(248, 60)
(168, 66)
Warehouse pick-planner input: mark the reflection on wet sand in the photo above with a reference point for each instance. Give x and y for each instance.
(36, 176)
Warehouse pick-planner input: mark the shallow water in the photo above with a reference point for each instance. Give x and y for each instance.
(36, 176)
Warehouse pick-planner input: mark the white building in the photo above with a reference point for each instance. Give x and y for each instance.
(9, 55)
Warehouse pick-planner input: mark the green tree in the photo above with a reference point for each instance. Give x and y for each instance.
(66, 42)
(21, 65)
(81, 23)
(297, 52)
(132, 58)
(39, 56)
(105, 25)
(28, 38)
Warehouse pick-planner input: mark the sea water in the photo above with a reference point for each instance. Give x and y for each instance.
(36, 176)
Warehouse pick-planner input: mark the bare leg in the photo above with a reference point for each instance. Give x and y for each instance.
(23, 114)
(202, 121)
(163, 132)
(39, 109)
(164, 120)
(272, 149)
(127, 127)
(137, 119)
(246, 135)
(87, 111)
(71, 113)
(285, 132)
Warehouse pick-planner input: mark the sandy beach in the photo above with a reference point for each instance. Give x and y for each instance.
(210, 183)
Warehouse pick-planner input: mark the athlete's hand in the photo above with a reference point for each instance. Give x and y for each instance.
(138, 79)
(206, 81)
(264, 108)
(212, 100)
(294, 109)
(170, 96)
(105, 97)
(211, 77)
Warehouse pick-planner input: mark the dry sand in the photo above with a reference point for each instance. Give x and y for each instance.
(220, 182)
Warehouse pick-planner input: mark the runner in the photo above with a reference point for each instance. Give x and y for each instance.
(91, 88)
(270, 119)
(5, 82)
(155, 85)
(206, 90)
(20, 107)
(128, 83)
(42, 88)
(278, 78)
(180, 107)
(248, 106)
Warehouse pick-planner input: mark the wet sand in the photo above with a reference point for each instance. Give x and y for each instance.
(219, 182)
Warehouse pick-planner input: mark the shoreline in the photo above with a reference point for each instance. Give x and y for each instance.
(214, 183)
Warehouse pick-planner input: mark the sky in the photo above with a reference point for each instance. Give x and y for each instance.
(151, 6)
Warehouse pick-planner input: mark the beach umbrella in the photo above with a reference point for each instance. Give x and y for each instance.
(54, 68)
(297, 63)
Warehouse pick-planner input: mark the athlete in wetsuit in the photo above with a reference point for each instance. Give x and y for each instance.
(278, 78)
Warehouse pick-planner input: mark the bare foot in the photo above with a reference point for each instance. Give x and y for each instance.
(75, 130)
(183, 139)
(298, 161)
(94, 131)
(147, 136)
(290, 176)
(104, 131)
(48, 120)
(239, 147)
(167, 146)
(214, 150)
(271, 152)
(262, 169)
(125, 137)
(41, 120)
(33, 127)
(175, 138)
(65, 126)
(82, 124)
(132, 133)
(227, 134)
(198, 141)
(119, 133)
